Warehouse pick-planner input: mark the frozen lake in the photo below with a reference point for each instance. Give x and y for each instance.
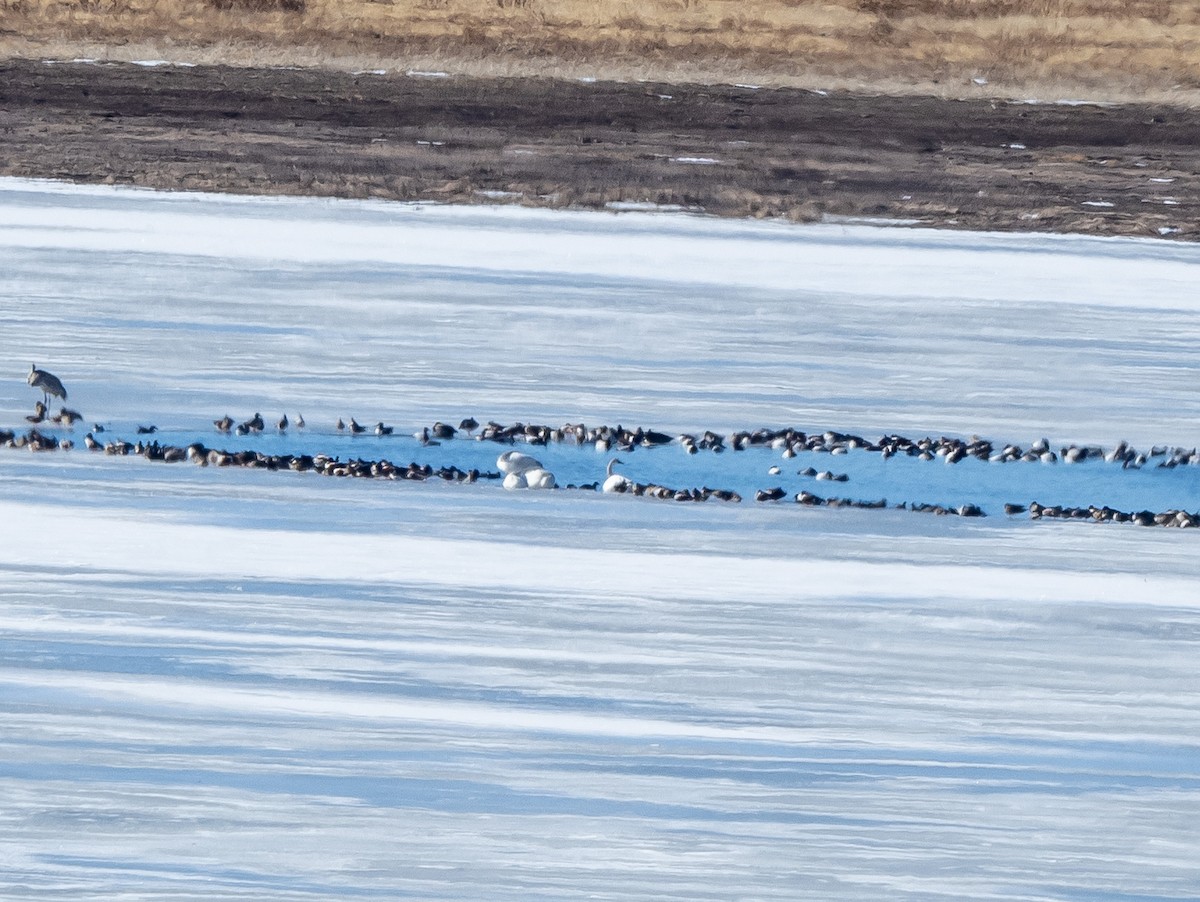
(221, 683)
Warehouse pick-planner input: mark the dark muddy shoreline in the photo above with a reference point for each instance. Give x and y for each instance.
(723, 150)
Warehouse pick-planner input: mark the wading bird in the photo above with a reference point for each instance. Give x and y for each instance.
(47, 382)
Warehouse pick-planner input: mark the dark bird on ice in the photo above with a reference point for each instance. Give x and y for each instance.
(38, 415)
(47, 382)
(67, 417)
(769, 494)
(225, 424)
(254, 424)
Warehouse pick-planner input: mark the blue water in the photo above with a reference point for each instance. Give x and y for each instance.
(870, 477)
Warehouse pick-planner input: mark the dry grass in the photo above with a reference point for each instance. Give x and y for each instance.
(1099, 49)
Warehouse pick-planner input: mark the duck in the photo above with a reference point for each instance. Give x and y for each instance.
(68, 417)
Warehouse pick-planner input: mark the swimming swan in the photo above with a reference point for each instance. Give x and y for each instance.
(615, 482)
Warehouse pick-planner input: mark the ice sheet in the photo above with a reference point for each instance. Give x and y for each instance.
(239, 684)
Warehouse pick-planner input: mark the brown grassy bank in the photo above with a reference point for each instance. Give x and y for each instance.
(1099, 49)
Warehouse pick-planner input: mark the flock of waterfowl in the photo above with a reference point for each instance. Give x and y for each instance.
(517, 470)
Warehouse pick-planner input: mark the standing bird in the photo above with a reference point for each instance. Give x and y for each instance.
(47, 382)
(39, 413)
(254, 424)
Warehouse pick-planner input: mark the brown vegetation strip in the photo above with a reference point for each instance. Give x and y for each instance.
(1100, 49)
(725, 150)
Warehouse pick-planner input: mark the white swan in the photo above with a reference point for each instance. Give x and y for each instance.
(535, 478)
(524, 472)
(516, 462)
(615, 482)
(539, 478)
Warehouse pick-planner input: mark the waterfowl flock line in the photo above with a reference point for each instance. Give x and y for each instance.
(517, 470)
